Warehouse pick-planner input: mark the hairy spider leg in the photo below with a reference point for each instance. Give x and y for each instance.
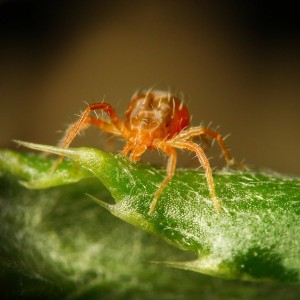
(195, 131)
(110, 128)
(170, 151)
(126, 149)
(116, 126)
(184, 144)
(84, 122)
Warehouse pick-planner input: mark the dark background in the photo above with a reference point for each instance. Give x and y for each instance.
(237, 62)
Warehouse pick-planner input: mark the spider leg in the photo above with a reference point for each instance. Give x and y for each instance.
(127, 148)
(85, 121)
(103, 125)
(136, 151)
(194, 131)
(184, 144)
(171, 165)
(116, 126)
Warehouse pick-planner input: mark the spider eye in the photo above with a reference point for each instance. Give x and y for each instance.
(166, 124)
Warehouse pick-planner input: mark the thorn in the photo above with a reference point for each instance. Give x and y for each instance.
(72, 153)
(101, 203)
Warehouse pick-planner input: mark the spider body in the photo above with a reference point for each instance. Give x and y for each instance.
(153, 120)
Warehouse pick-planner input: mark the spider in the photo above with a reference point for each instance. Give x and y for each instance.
(154, 119)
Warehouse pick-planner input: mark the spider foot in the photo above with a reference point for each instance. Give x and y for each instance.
(56, 164)
(217, 204)
(152, 205)
(238, 165)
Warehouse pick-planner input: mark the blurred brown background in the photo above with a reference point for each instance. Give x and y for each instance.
(237, 62)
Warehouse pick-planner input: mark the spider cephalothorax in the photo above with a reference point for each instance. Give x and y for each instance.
(154, 119)
(151, 118)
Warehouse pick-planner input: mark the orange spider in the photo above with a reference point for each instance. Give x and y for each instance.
(154, 119)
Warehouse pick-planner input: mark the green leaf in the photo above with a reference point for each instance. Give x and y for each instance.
(255, 237)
